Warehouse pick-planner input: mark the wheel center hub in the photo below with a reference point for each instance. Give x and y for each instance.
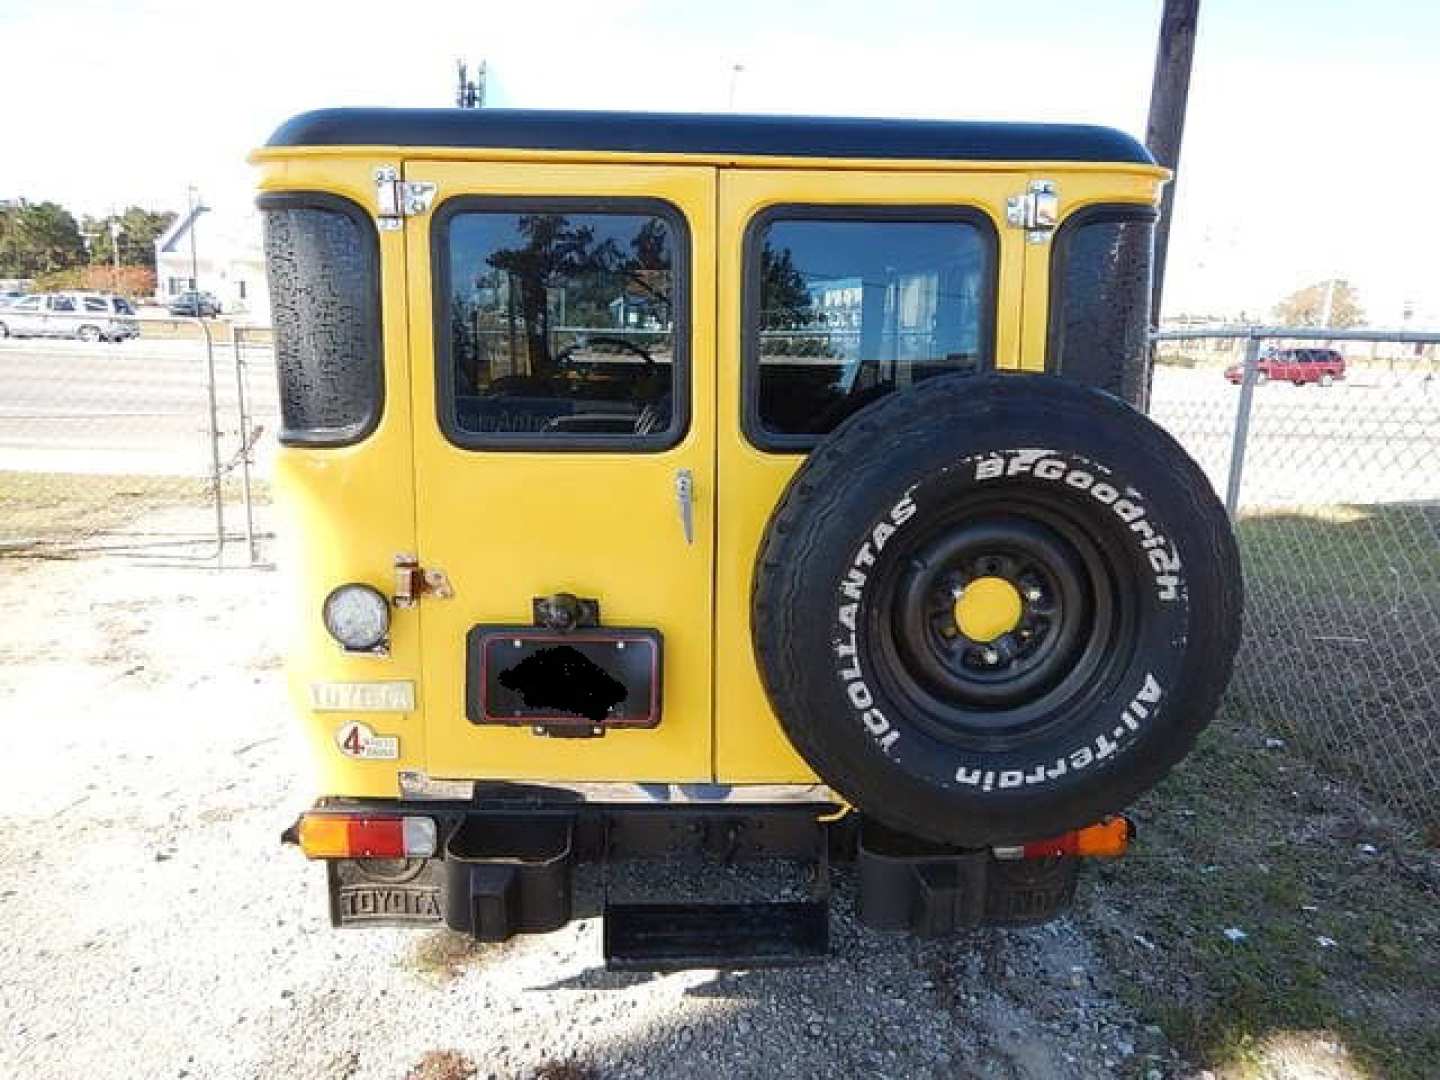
(987, 608)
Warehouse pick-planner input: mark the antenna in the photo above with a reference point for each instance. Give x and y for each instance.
(469, 93)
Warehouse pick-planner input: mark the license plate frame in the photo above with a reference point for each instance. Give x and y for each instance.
(630, 656)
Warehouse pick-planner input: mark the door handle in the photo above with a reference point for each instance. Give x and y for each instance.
(685, 502)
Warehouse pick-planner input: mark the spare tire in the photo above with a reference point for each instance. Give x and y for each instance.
(990, 609)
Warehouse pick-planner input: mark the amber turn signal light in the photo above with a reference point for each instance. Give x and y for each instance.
(1108, 839)
(351, 836)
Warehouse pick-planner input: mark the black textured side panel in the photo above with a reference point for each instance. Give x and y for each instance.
(323, 264)
(1100, 300)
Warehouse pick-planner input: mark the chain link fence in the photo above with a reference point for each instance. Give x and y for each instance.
(1326, 447)
(149, 438)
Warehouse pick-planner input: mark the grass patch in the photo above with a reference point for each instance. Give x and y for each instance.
(1341, 942)
(1342, 639)
(72, 506)
(1374, 548)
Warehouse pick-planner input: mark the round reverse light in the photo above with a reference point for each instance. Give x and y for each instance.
(357, 616)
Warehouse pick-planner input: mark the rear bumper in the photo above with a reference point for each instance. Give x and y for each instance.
(511, 868)
(508, 868)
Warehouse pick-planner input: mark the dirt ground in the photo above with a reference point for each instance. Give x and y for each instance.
(155, 927)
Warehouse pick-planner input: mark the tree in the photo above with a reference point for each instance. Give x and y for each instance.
(555, 251)
(38, 238)
(136, 282)
(785, 302)
(1311, 305)
(139, 229)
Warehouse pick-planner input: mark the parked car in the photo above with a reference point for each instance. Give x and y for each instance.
(196, 304)
(1299, 366)
(87, 316)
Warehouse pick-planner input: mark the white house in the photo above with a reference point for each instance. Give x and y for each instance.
(229, 261)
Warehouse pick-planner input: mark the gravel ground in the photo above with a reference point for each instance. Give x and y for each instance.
(155, 927)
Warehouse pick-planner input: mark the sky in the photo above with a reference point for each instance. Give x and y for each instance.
(1308, 151)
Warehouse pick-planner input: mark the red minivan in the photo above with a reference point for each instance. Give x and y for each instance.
(1299, 366)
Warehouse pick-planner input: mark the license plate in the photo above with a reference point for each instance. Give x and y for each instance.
(584, 679)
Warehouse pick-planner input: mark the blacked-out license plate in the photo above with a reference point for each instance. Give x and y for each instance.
(586, 678)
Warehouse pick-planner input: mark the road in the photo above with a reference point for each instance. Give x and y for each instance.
(141, 407)
(1372, 439)
(138, 407)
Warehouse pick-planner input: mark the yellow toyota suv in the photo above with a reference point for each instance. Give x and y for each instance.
(733, 489)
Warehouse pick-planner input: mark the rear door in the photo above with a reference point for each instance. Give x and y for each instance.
(562, 330)
(835, 287)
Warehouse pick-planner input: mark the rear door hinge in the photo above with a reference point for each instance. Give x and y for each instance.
(412, 582)
(397, 199)
(1037, 211)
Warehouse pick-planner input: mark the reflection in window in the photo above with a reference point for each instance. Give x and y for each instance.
(850, 310)
(563, 324)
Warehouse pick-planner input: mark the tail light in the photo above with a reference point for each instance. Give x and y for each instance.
(1107, 840)
(354, 836)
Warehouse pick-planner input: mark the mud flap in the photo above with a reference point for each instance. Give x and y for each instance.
(908, 884)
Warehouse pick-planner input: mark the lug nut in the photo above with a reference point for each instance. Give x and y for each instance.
(990, 656)
(1032, 593)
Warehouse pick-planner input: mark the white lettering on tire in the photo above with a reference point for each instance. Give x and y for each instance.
(852, 591)
(1054, 467)
(1106, 744)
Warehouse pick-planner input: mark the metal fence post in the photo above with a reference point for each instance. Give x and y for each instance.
(245, 445)
(216, 474)
(1242, 424)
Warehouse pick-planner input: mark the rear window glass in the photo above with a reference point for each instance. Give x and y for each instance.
(842, 307)
(323, 267)
(563, 324)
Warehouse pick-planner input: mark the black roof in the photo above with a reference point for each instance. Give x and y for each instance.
(700, 133)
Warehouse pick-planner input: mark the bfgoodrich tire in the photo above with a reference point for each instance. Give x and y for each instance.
(992, 609)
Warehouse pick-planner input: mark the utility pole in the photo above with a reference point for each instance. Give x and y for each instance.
(1166, 126)
(736, 71)
(196, 209)
(115, 252)
(469, 93)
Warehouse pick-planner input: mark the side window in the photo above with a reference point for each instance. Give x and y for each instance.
(844, 305)
(561, 323)
(62, 303)
(322, 257)
(96, 303)
(30, 303)
(123, 306)
(1100, 298)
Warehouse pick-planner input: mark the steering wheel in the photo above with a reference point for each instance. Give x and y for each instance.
(564, 358)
